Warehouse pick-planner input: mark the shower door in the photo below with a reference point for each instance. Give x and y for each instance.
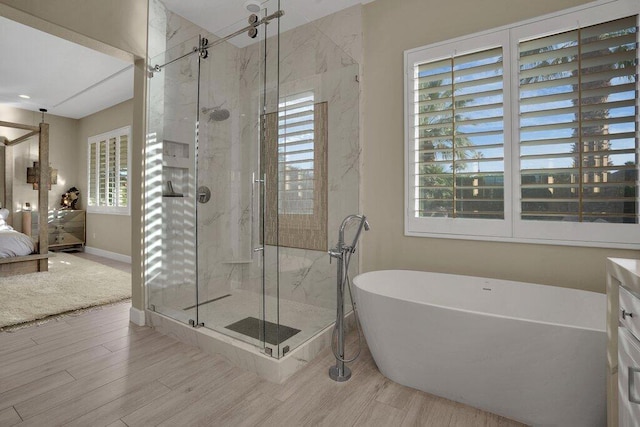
(238, 82)
(205, 258)
(170, 193)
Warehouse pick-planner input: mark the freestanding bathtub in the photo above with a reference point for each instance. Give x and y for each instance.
(532, 353)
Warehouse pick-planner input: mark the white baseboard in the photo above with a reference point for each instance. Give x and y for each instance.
(107, 254)
(136, 316)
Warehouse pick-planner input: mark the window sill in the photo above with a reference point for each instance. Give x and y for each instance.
(578, 243)
(103, 211)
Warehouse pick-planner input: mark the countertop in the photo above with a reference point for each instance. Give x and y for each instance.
(626, 271)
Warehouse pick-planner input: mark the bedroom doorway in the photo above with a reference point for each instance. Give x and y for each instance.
(76, 100)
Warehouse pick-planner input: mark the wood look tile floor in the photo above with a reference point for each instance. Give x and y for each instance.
(97, 369)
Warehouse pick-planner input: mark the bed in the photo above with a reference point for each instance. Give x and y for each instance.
(12, 242)
(19, 254)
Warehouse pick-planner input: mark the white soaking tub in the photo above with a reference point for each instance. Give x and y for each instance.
(532, 353)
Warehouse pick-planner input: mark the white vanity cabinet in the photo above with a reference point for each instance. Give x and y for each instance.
(628, 378)
(623, 328)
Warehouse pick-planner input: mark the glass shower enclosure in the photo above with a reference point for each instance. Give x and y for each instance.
(237, 218)
(204, 254)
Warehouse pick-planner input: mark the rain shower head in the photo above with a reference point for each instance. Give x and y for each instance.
(252, 6)
(219, 115)
(216, 114)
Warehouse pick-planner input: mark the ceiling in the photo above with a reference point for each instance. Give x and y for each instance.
(67, 79)
(73, 81)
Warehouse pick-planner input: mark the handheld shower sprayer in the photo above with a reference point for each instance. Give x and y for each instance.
(363, 224)
(343, 253)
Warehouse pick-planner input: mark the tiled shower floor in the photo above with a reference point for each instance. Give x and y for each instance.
(241, 304)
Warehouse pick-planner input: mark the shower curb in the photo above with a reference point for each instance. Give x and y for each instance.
(244, 355)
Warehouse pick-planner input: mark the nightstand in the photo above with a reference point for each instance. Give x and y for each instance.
(66, 228)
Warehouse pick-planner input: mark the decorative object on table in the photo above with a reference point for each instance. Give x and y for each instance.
(70, 198)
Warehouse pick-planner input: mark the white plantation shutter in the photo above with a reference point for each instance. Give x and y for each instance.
(295, 164)
(108, 178)
(123, 171)
(111, 167)
(579, 124)
(296, 154)
(101, 173)
(458, 138)
(92, 167)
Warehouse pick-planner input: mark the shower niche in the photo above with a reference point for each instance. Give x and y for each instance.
(176, 155)
(176, 168)
(234, 272)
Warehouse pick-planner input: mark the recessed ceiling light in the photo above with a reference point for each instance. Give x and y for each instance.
(24, 96)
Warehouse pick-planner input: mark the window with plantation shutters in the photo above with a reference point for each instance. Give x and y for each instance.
(458, 146)
(578, 124)
(296, 154)
(108, 172)
(456, 129)
(295, 164)
(528, 133)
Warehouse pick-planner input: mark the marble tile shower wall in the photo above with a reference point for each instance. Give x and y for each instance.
(171, 109)
(219, 271)
(172, 279)
(322, 56)
(227, 158)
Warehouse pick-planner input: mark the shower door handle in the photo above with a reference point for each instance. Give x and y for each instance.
(261, 182)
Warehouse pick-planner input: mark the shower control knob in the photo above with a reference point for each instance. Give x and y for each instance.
(204, 194)
(333, 253)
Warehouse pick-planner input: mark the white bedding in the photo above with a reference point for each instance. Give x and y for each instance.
(13, 243)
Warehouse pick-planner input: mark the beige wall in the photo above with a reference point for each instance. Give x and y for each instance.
(390, 27)
(63, 156)
(106, 232)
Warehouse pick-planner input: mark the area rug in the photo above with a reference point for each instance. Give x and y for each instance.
(71, 283)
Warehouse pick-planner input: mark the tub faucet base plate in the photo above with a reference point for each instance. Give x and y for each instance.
(334, 374)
